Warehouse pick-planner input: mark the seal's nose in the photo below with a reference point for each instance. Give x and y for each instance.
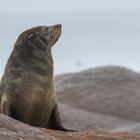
(58, 26)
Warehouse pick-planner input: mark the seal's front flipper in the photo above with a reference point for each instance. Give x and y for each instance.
(55, 122)
(6, 107)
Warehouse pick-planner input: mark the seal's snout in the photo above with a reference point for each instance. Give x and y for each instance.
(56, 29)
(54, 33)
(51, 33)
(58, 26)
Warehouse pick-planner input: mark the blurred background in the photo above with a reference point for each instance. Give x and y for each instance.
(95, 32)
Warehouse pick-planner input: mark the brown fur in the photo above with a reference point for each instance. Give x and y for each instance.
(27, 90)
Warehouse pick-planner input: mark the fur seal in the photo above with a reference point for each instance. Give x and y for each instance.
(27, 91)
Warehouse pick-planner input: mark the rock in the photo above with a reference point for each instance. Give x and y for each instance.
(132, 128)
(11, 129)
(110, 91)
(95, 135)
(79, 119)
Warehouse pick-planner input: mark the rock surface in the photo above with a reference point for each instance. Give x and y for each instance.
(79, 119)
(104, 98)
(11, 129)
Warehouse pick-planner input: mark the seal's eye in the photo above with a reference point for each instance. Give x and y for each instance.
(30, 36)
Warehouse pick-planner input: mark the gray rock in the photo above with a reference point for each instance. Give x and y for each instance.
(79, 119)
(108, 91)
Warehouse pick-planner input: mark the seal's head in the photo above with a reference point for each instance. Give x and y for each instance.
(43, 36)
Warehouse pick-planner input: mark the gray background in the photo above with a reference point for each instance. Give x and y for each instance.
(95, 32)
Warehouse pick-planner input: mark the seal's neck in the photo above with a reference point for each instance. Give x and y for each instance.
(33, 59)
